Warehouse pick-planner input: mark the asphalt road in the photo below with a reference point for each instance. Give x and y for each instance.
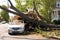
(5, 36)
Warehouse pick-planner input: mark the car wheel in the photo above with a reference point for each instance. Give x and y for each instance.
(9, 32)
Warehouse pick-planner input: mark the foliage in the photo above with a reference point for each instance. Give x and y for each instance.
(49, 33)
(45, 7)
(23, 8)
(57, 22)
(4, 14)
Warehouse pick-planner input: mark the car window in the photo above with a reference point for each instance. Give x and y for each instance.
(17, 22)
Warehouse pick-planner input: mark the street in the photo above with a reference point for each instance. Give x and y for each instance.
(5, 36)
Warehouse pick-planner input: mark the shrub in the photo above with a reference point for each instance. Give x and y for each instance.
(56, 21)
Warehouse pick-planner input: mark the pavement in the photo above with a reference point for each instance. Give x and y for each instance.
(5, 36)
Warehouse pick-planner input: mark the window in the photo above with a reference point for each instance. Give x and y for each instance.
(58, 4)
(58, 0)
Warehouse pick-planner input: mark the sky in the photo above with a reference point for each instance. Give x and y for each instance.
(5, 2)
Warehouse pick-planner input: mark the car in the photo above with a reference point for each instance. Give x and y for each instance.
(16, 28)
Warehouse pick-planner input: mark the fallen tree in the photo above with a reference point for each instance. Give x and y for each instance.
(27, 19)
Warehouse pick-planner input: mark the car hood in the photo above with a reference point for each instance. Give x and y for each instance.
(22, 25)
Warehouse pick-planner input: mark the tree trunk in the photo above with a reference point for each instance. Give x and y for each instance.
(32, 21)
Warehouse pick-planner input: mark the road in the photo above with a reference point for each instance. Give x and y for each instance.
(5, 36)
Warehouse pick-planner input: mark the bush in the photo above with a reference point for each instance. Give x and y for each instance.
(56, 21)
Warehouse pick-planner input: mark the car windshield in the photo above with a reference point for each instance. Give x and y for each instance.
(16, 22)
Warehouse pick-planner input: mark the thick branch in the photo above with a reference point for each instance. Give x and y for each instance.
(31, 20)
(41, 17)
(46, 25)
(10, 3)
(20, 14)
(36, 10)
(12, 7)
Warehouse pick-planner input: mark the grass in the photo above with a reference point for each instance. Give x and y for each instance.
(48, 33)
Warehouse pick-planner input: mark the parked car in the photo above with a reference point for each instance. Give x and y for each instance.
(15, 28)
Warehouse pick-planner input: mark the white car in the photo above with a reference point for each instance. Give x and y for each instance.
(16, 28)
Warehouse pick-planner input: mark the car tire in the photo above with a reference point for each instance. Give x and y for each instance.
(10, 33)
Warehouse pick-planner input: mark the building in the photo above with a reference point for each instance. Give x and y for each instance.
(56, 13)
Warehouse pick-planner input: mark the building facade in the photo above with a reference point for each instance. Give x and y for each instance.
(56, 13)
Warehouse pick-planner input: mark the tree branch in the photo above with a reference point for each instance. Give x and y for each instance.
(20, 14)
(36, 10)
(41, 17)
(10, 3)
(27, 18)
(41, 23)
(12, 7)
